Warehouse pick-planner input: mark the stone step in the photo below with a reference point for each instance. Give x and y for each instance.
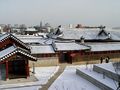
(97, 79)
(108, 70)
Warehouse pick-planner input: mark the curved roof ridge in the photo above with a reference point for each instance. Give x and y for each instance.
(7, 35)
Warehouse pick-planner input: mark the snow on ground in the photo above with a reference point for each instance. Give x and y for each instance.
(43, 74)
(69, 80)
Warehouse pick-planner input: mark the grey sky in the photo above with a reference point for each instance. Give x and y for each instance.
(87, 12)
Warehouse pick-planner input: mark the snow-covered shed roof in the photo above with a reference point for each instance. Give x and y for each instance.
(104, 46)
(42, 49)
(31, 29)
(6, 53)
(9, 35)
(69, 46)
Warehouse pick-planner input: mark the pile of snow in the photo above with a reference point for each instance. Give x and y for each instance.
(69, 80)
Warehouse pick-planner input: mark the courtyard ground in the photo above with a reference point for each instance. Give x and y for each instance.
(69, 80)
(43, 74)
(61, 77)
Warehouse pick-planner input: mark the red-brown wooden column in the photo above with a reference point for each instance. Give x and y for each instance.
(59, 57)
(27, 68)
(6, 70)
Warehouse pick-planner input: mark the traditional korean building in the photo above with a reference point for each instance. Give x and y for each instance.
(97, 43)
(14, 57)
(76, 45)
(30, 31)
(67, 50)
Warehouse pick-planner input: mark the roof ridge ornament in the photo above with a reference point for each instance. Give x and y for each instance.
(109, 36)
(102, 30)
(102, 27)
(82, 39)
(58, 32)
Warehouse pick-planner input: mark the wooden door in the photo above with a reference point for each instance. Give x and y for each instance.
(0, 73)
(3, 72)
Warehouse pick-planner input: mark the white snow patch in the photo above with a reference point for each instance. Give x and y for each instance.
(43, 74)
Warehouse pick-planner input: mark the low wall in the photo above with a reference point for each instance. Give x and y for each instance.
(93, 80)
(95, 58)
(46, 61)
(107, 73)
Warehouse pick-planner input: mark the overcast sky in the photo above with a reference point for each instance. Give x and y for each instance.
(64, 12)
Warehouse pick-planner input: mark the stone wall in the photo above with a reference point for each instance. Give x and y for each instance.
(46, 61)
(93, 80)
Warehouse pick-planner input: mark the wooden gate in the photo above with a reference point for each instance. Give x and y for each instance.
(2, 72)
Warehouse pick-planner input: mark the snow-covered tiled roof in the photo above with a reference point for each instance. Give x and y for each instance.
(104, 46)
(76, 34)
(6, 53)
(30, 40)
(34, 39)
(8, 35)
(69, 46)
(115, 34)
(88, 34)
(42, 49)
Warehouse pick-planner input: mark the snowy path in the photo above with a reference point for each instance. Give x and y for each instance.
(43, 74)
(51, 80)
(68, 80)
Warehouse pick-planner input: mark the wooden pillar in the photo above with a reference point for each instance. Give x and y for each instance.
(59, 57)
(70, 57)
(6, 70)
(27, 68)
(33, 68)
